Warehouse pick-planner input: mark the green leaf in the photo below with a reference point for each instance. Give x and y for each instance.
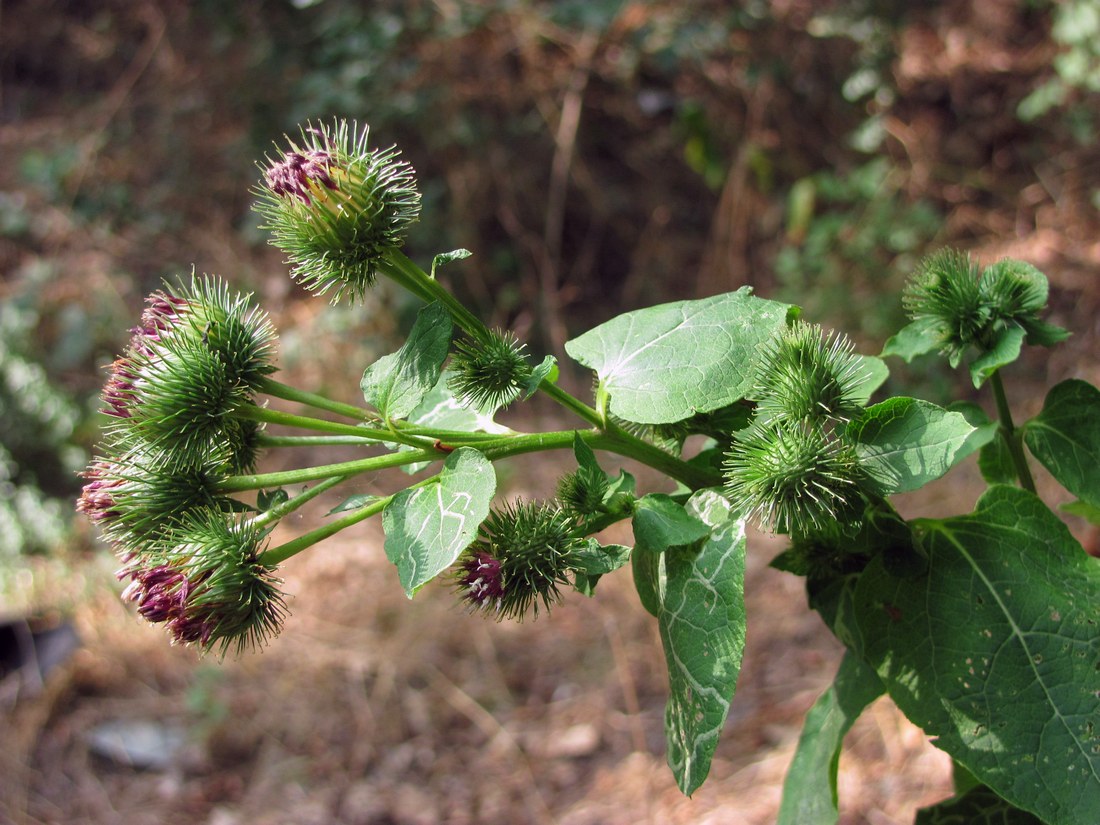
(648, 570)
(1082, 509)
(660, 523)
(903, 443)
(396, 384)
(809, 791)
(586, 458)
(668, 362)
(597, 559)
(1065, 437)
(547, 370)
(1005, 350)
(444, 258)
(995, 651)
(702, 624)
(427, 527)
(269, 499)
(353, 503)
(979, 806)
(915, 339)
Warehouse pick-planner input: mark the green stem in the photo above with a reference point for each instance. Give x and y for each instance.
(397, 266)
(277, 555)
(270, 416)
(617, 442)
(284, 391)
(1011, 435)
(242, 483)
(264, 440)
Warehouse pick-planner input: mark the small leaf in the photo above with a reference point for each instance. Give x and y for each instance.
(903, 443)
(547, 370)
(668, 362)
(353, 503)
(1005, 350)
(702, 624)
(444, 258)
(269, 499)
(1065, 437)
(660, 523)
(396, 384)
(809, 791)
(428, 527)
(596, 559)
(994, 651)
(915, 339)
(586, 459)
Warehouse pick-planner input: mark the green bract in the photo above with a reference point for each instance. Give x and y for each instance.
(337, 208)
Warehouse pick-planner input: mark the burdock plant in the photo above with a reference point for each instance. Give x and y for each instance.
(983, 627)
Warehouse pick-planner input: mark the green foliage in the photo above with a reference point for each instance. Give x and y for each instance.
(993, 650)
(669, 362)
(428, 526)
(1076, 29)
(38, 456)
(810, 792)
(397, 384)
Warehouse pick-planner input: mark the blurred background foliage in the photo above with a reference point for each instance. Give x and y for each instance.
(595, 155)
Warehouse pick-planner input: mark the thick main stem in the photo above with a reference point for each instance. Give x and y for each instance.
(1011, 435)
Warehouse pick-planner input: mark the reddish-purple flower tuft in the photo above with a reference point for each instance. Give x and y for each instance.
(118, 391)
(481, 581)
(293, 174)
(96, 500)
(161, 594)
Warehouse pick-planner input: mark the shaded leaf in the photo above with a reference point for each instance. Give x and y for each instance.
(995, 651)
(396, 384)
(978, 806)
(1065, 437)
(809, 791)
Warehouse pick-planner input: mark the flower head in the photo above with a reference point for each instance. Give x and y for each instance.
(525, 551)
(198, 354)
(336, 207)
(489, 374)
(792, 477)
(208, 585)
(805, 375)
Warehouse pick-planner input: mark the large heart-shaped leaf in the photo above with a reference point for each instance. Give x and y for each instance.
(669, 362)
(995, 651)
